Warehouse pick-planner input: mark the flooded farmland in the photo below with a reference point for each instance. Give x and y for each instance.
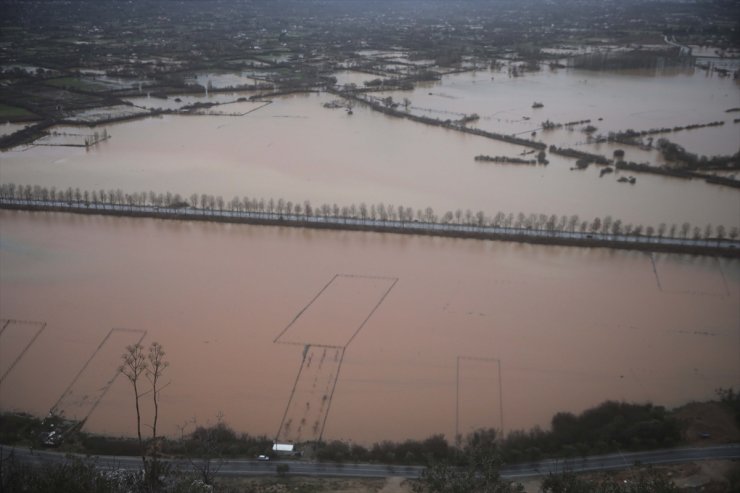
(298, 150)
(305, 334)
(447, 334)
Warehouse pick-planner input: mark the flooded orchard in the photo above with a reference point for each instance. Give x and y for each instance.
(396, 336)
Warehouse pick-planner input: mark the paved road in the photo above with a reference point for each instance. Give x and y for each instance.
(307, 468)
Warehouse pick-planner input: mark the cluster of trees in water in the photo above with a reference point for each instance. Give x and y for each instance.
(388, 107)
(633, 137)
(548, 125)
(677, 172)
(271, 208)
(687, 166)
(673, 152)
(579, 155)
(504, 159)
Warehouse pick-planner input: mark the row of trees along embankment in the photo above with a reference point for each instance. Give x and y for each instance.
(634, 137)
(513, 160)
(684, 165)
(532, 228)
(388, 107)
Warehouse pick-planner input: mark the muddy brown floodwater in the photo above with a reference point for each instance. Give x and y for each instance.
(568, 327)
(298, 150)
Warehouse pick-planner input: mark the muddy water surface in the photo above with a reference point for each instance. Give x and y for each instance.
(297, 150)
(571, 327)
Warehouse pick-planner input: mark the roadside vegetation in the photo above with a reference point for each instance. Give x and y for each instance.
(647, 482)
(472, 463)
(77, 475)
(609, 427)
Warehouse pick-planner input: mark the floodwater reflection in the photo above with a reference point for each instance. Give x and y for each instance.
(571, 327)
(298, 150)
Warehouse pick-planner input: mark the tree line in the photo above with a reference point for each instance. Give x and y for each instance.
(473, 461)
(548, 125)
(207, 203)
(504, 159)
(388, 107)
(608, 427)
(632, 137)
(673, 152)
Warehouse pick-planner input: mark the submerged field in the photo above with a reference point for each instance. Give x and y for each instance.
(472, 333)
(298, 150)
(305, 334)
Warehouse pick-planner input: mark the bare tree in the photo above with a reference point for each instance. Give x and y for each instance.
(606, 224)
(685, 227)
(156, 365)
(617, 227)
(499, 219)
(154, 369)
(480, 219)
(721, 232)
(136, 363)
(596, 225)
(133, 367)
